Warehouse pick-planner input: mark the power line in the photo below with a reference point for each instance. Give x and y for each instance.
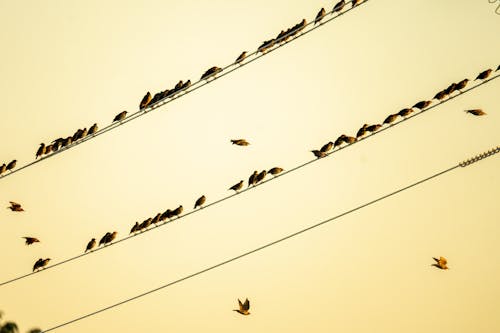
(249, 188)
(461, 164)
(196, 85)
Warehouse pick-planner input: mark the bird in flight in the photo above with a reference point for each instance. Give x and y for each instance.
(240, 142)
(15, 207)
(476, 112)
(31, 240)
(440, 263)
(243, 307)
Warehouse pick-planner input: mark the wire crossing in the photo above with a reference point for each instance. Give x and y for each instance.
(279, 42)
(250, 188)
(297, 233)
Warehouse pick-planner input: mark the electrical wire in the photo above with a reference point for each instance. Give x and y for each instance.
(462, 164)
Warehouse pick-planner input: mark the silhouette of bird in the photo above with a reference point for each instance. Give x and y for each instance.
(134, 228)
(31, 240)
(178, 86)
(241, 57)
(405, 112)
(461, 85)
(243, 307)
(68, 141)
(237, 187)
(240, 142)
(186, 85)
(145, 101)
(320, 16)
(422, 104)
(252, 178)
(260, 177)
(318, 153)
(339, 141)
(90, 245)
(40, 263)
(327, 147)
(93, 129)
(390, 119)
(110, 237)
(11, 165)
(211, 72)
(3, 168)
(440, 263)
(201, 200)
(177, 211)
(15, 207)
(266, 45)
(373, 128)
(355, 3)
(440, 95)
(103, 239)
(120, 116)
(166, 215)
(361, 131)
(48, 149)
(156, 219)
(339, 6)
(451, 89)
(483, 75)
(146, 223)
(349, 139)
(40, 151)
(274, 171)
(476, 112)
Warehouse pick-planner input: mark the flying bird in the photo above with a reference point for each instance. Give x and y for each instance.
(240, 142)
(201, 200)
(483, 75)
(252, 178)
(237, 187)
(243, 307)
(11, 165)
(405, 112)
(31, 240)
(422, 104)
(318, 153)
(93, 129)
(440, 263)
(15, 207)
(274, 171)
(339, 6)
(476, 112)
(90, 245)
(241, 57)
(145, 101)
(40, 151)
(120, 116)
(320, 16)
(391, 118)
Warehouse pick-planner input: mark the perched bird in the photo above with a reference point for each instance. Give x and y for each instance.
(11, 165)
(405, 112)
(67, 141)
(355, 3)
(3, 168)
(156, 219)
(422, 104)
(483, 75)
(84, 133)
(320, 16)
(90, 245)
(237, 187)
(241, 57)
(266, 45)
(243, 307)
(179, 85)
(274, 171)
(145, 101)
(146, 223)
(31, 240)
(252, 178)
(186, 85)
(260, 177)
(240, 142)
(373, 128)
(338, 142)
(361, 131)
(440, 95)
(440, 263)
(349, 139)
(390, 119)
(461, 85)
(40, 263)
(451, 89)
(327, 147)
(103, 239)
(48, 149)
(15, 207)
(40, 151)
(177, 211)
(120, 116)
(476, 112)
(201, 200)
(166, 215)
(338, 6)
(93, 129)
(211, 72)
(134, 228)
(110, 237)
(318, 153)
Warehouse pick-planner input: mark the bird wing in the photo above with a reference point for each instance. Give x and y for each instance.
(436, 259)
(246, 305)
(240, 304)
(14, 204)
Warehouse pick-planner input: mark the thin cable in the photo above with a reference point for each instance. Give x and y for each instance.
(196, 85)
(249, 188)
(490, 153)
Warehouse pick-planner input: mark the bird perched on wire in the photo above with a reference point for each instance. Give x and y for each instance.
(110, 237)
(103, 239)
(405, 112)
(451, 89)
(373, 128)
(422, 104)
(243, 307)
(483, 75)
(11, 165)
(440, 263)
(318, 153)
(440, 95)
(31, 240)
(145, 101)
(391, 118)
(327, 147)
(320, 16)
(338, 142)
(120, 116)
(338, 6)
(166, 215)
(252, 178)
(349, 139)
(48, 149)
(240, 142)
(40, 151)
(177, 211)
(241, 57)
(93, 129)
(3, 168)
(237, 187)
(260, 177)
(40, 263)
(15, 207)
(134, 228)
(476, 112)
(211, 72)
(201, 200)
(361, 131)
(461, 85)
(355, 3)
(274, 171)
(90, 245)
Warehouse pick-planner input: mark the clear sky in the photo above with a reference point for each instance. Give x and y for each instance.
(66, 65)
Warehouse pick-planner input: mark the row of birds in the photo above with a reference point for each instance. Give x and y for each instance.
(325, 149)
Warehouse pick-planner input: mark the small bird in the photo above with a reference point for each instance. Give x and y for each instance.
(240, 142)
(339, 6)
(391, 118)
(166, 215)
(3, 168)
(145, 101)
(252, 178)
(339, 141)
(186, 85)
(440, 95)
(318, 153)
(211, 72)
(373, 128)
(103, 239)
(327, 147)
(11, 165)
(241, 57)
(31, 240)
(483, 75)
(110, 237)
(177, 211)
(40, 151)
(15, 207)
(134, 228)
(93, 129)
(355, 3)
(179, 85)
(320, 16)
(67, 141)
(243, 307)
(90, 245)
(120, 116)
(201, 200)
(361, 131)
(156, 219)
(266, 45)
(405, 112)
(349, 139)
(48, 149)
(260, 177)
(440, 263)
(476, 112)
(146, 223)
(84, 133)
(274, 171)
(237, 187)
(422, 104)
(461, 85)
(40, 263)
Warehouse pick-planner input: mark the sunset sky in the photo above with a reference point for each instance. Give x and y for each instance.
(69, 64)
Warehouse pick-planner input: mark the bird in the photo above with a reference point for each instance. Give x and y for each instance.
(274, 171)
(40, 151)
(327, 147)
(390, 119)
(361, 131)
(355, 3)
(461, 85)
(373, 128)
(349, 139)
(48, 149)
(166, 215)
(31, 240)
(177, 211)
(210, 72)
(145, 101)
(440, 95)
(237, 187)
(156, 219)
(40, 263)
(11, 165)
(67, 141)
(252, 178)
(440, 263)
(186, 85)
(146, 223)
(78, 135)
(90, 245)
(266, 45)
(110, 237)
(243, 307)
(339, 6)
(241, 57)
(338, 142)
(134, 228)
(483, 75)
(84, 133)
(93, 129)
(451, 89)
(318, 153)
(405, 112)
(260, 177)
(320, 16)
(3, 168)
(422, 104)
(201, 200)
(476, 112)
(240, 142)
(179, 85)
(15, 207)
(498, 68)
(120, 116)
(103, 239)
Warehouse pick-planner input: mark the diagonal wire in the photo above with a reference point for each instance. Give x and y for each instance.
(196, 85)
(250, 188)
(462, 164)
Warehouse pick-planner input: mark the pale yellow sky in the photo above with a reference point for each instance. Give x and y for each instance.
(66, 65)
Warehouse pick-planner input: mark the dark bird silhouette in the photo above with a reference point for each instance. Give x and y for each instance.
(179, 85)
(476, 112)
(391, 118)
(3, 168)
(145, 101)
(320, 16)
(243, 307)
(237, 187)
(93, 129)
(260, 177)
(355, 3)
(15, 207)
(327, 147)
(40, 263)
(156, 219)
(451, 89)
(338, 6)
(186, 85)
(440, 263)
(146, 223)
(166, 215)
(349, 139)
(483, 75)
(120, 116)
(48, 149)
(266, 45)
(110, 237)
(90, 245)
(134, 228)
(318, 153)
(31, 240)
(211, 72)
(373, 128)
(440, 95)
(461, 85)
(422, 104)
(103, 239)
(241, 57)
(201, 200)
(68, 141)
(405, 112)
(40, 151)
(361, 131)
(252, 178)
(339, 141)
(11, 165)
(177, 211)
(240, 142)
(274, 171)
